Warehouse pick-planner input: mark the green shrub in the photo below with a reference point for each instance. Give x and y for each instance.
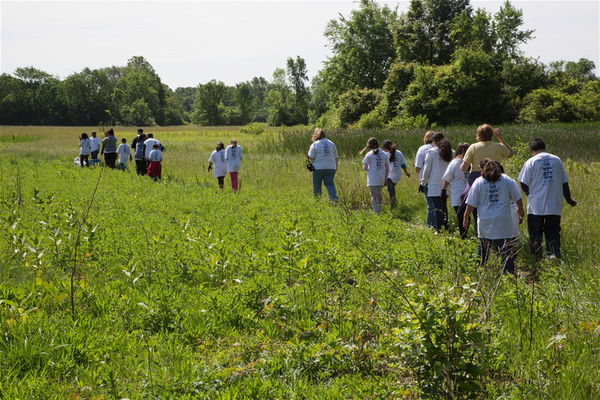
(253, 128)
(416, 122)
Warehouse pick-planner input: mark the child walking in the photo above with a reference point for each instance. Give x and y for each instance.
(124, 152)
(397, 162)
(493, 194)
(217, 158)
(233, 156)
(155, 158)
(456, 179)
(85, 148)
(377, 165)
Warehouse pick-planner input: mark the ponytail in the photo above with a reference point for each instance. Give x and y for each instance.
(445, 149)
(390, 148)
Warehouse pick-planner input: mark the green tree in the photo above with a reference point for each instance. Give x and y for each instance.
(298, 76)
(208, 105)
(279, 100)
(244, 100)
(423, 34)
(508, 20)
(363, 49)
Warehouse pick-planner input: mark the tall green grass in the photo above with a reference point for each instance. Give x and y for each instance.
(185, 291)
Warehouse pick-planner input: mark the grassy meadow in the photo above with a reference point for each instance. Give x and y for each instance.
(113, 286)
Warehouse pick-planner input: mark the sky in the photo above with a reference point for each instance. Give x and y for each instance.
(192, 42)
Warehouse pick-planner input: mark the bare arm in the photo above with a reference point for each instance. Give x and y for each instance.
(501, 140)
(567, 195)
(445, 185)
(520, 210)
(465, 167)
(467, 216)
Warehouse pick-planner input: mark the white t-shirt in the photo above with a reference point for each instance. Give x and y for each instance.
(377, 165)
(220, 164)
(155, 155)
(95, 143)
(124, 151)
(420, 157)
(457, 179)
(495, 212)
(545, 175)
(396, 166)
(233, 156)
(84, 147)
(433, 171)
(149, 143)
(324, 153)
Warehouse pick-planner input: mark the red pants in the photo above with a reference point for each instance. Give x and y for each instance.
(154, 169)
(234, 181)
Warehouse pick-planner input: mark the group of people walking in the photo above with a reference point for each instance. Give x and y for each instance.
(146, 150)
(478, 186)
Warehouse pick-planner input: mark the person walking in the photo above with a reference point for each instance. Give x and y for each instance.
(397, 163)
(140, 159)
(95, 147)
(155, 159)
(323, 156)
(233, 156)
(124, 152)
(419, 164)
(377, 165)
(456, 179)
(149, 146)
(493, 194)
(217, 159)
(544, 180)
(437, 160)
(84, 150)
(109, 148)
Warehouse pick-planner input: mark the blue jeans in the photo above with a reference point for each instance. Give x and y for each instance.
(540, 225)
(430, 221)
(324, 175)
(506, 247)
(439, 209)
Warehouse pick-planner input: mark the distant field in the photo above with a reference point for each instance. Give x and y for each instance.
(177, 290)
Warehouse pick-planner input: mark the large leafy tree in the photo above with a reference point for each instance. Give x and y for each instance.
(298, 76)
(363, 49)
(208, 105)
(423, 35)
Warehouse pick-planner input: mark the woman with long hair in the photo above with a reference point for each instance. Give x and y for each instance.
(323, 156)
(377, 165)
(436, 162)
(456, 179)
(397, 162)
(85, 148)
(493, 194)
(217, 158)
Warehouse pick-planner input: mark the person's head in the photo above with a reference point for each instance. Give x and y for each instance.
(123, 140)
(536, 145)
(93, 133)
(445, 148)
(436, 137)
(110, 132)
(220, 146)
(427, 137)
(390, 147)
(318, 134)
(461, 149)
(485, 133)
(491, 171)
(84, 136)
(373, 143)
(150, 135)
(233, 142)
(140, 131)
(155, 146)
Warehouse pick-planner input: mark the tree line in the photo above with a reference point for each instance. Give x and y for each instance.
(441, 61)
